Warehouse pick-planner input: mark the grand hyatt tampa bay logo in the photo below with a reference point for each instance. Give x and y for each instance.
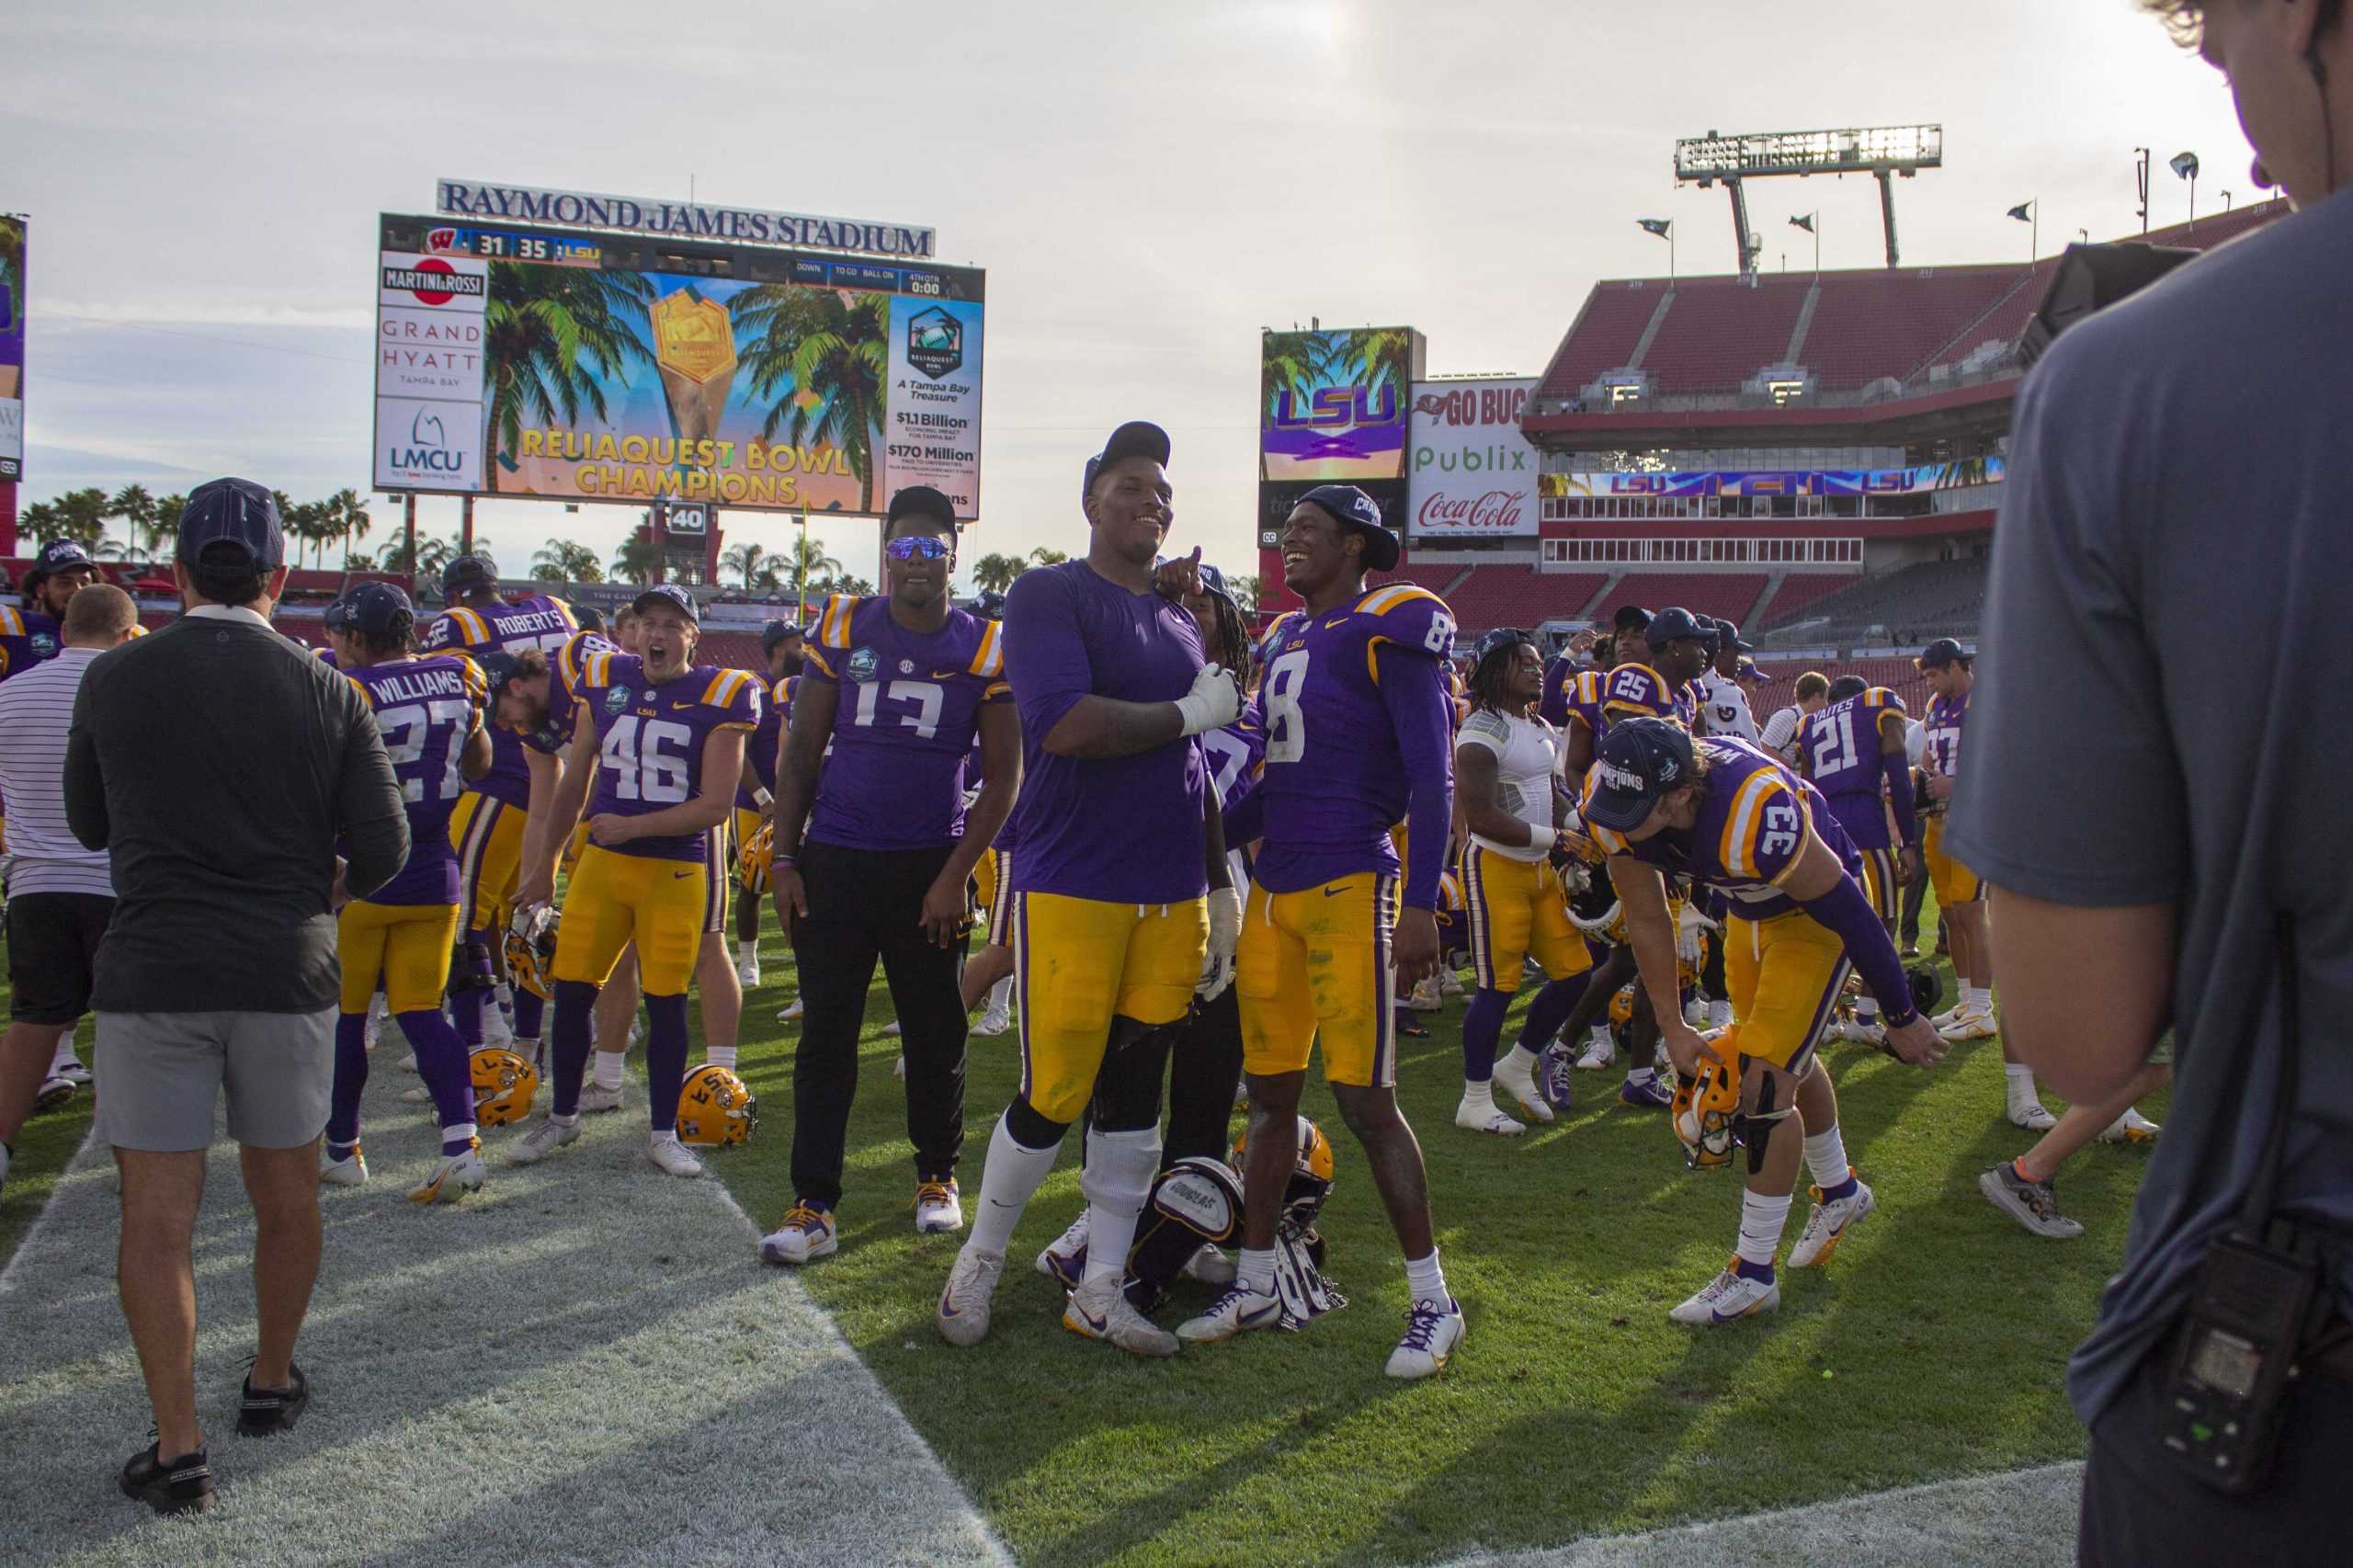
(428, 450)
(935, 343)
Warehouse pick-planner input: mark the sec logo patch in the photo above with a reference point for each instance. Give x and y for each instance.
(863, 662)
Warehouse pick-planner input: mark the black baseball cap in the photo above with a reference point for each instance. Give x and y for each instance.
(668, 593)
(921, 501)
(57, 555)
(1942, 652)
(1500, 638)
(777, 632)
(1136, 438)
(1674, 624)
(468, 572)
(1352, 508)
(1636, 763)
(233, 512)
(1728, 632)
(1213, 580)
(1629, 618)
(337, 617)
(1846, 686)
(590, 617)
(990, 606)
(499, 669)
(378, 609)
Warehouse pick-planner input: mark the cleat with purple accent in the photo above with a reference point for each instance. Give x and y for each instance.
(1827, 1225)
(1555, 1076)
(1652, 1094)
(1065, 1259)
(962, 1317)
(1237, 1311)
(1432, 1331)
(1730, 1296)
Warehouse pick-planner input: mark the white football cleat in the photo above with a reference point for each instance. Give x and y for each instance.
(673, 1157)
(1064, 1259)
(1729, 1296)
(747, 972)
(408, 1064)
(416, 1094)
(790, 1011)
(807, 1232)
(1427, 997)
(962, 1317)
(546, 1136)
(351, 1172)
(1976, 1025)
(2030, 1115)
(1450, 982)
(1432, 1331)
(453, 1177)
(994, 1021)
(938, 1209)
(1473, 1118)
(1237, 1311)
(1695, 1013)
(1829, 1223)
(1941, 1021)
(596, 1099)
(1599, 1051)
(1211, 1267)
(73, 1073)
(1104, 1313)
(1521, 1085)
(55, 1090)
(2130, 1127)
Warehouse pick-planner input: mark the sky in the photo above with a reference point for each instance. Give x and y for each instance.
(1148, 188)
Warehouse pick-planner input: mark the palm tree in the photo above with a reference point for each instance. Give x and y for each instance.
(823, 356)
(565, 562)
(163, 527)
(431, 554)
(351, 516)
(992, 573)
(137, 510)
(808, 565)
(635, 560)
(1045, 556)
(78, 515)
(753, 560)
(552, 337)
(1246, 593)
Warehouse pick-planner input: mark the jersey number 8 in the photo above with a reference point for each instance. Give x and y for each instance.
(1286, 725)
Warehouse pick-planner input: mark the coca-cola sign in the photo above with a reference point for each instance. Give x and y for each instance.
(1472, 473)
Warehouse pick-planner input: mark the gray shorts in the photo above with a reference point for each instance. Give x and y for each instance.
(159, 1075)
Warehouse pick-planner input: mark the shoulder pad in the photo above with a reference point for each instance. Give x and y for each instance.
(1411, 617)
(988, 658)
(727, 689)
(832, 621)
(1487, 723)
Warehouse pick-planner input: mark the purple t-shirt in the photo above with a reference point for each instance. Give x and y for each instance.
(650, 739)
(536, 622)
(908, 714)
(1348, 739)
(27, 638)
(424, 708)
(1125, 829)
(1842, 748)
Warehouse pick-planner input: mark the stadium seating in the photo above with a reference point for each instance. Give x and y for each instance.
(1872, 324)
(1604, 337)
(1518, 596)
(1702, 593)
(731, 650)
(1794, 599)
(1720, 331)
(1932, 598)
(1437, 579)
(1901, 676)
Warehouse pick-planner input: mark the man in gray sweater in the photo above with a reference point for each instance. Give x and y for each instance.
(224, 771)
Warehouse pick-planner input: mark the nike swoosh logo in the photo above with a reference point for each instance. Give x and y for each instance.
(1094, 1324)
(676, 875)
(1334, 892)
(1248, 1318)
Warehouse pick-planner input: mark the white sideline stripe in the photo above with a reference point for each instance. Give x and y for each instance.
(2021, 1518)
(40, 1220)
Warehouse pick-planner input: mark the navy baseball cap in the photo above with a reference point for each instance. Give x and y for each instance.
(990, 606)
(1352, 508)
(58, 555)
(499, 669)
(233, 512)
(468, 572)
(1136, 438)
(1629, 618)
(1942, 652)
(777, 632)
(921, 501)
(1500, 638)
(1674, 624)
(1214, 581)
(1846, 686)
(1748, 670)
(589, 616)
(378, 609)
(1637, 763)
(669, 594)
(337, 617)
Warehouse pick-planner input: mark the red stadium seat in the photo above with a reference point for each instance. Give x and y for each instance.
(1519, 596)
(1702, 593)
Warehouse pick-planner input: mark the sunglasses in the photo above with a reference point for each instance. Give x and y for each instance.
(917, 547)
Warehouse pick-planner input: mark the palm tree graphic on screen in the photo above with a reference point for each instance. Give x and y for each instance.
(553, 339)
(822, 356)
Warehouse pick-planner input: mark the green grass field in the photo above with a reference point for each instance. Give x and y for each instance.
(47, 1142)
(1932, 1347)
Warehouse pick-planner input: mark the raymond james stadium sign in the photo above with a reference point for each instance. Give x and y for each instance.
(648, 215)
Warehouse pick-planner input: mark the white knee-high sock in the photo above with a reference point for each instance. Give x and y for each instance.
(1013, 1173)
(1120, 1168)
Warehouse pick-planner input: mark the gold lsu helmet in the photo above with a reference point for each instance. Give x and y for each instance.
(752, 860)
(505, 1084)
(530, 949)
(1703, 1111)
(1311, 1175)
(716, 1106)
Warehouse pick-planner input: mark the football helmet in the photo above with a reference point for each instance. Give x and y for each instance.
(1310, 1177)
(1703, 1111)
(503, 1086)
(530, 949)
(715, 1107)
(1927, 988)
(752, 861)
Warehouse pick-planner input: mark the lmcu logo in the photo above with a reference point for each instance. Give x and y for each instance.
(1495, 512)
(935, 343)
(1473, 405)
(1336, 408)
(428, 448)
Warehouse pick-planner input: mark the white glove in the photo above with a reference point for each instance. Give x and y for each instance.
(1225, 930)
(1215, 702)
(1687, 930)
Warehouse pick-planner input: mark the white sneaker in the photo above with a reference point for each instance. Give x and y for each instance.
(1427, 997)
(352, 1172)
(416, 1094)
(2130, 1127)
(1450, 982)
(807, 1232)
(1860, 1031)
(1976, 1025)
(674, 1158)
(2030, 1115)
(1941, 1019)
(1432, 1331)
(1237, 1311)
(1473, 1118)
(1104, 1312)
(1521, 1085)
(408, 1064)
(73, 1073)
(453, 1177)
(1829, 1223)
(891, 1029)
(546, 1136)
(962, 1317)
(790, 1013)
(1599, 1051)
(496, 1028)
(1064, 1259)
(747, 972)
(899, 1066)
(55, 1090)
(938, 1209)
(1211, 1267)
(1695, 1013)
(1728, 1296)
(596, 1099)
(996, 1021)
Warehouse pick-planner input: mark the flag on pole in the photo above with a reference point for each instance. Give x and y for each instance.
(1805, 223)
(2020, 212)
(1658, 226)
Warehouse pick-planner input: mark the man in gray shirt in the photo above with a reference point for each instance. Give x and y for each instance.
(220, 767)
(2147, 812)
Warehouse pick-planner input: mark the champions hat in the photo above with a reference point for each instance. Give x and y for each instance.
(468, 572)
(337, 617)
(921, 501)
(233, 512)
(777, 632)
(668, 595)
(1674, 624)
(57, 555)
(498, 668)
(1637, 763)
(378, 609)
(1942, 652)
(1213, 580)
(1136, 438)
(1352, 508)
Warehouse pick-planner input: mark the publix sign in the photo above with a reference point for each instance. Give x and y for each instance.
(1470, 473)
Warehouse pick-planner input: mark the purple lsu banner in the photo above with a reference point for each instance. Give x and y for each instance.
(1782, 482)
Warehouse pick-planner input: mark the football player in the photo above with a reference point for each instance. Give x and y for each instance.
(661, 739)
(1733, 818)
(1723, 702)
(1779, 735)
(1679, 648)
(784, 647)
(1853, 751)
(1353, 705)
(1121, 888)
(1505, 761)
(429, 709)
(60, 568)
(873, 855)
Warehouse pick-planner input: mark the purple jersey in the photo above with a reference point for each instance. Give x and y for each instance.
(1337, 775)
(1943, 726)
(1637, 691)
(1841, 746)
(1237, 757)
(769, 739)
(1122, 829)
(565, 667)
(536, 622)
(26, 637)
(425, 709)
(650, 739)
(326, 656)
(1753, 816)
(905, 719)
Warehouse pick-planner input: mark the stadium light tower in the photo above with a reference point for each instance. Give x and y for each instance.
(1883, 153)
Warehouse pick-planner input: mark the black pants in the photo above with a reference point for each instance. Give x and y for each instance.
(2139, 1509)
(53, 944)
(1204, 1070)
(1915, 898)
(863, 904)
